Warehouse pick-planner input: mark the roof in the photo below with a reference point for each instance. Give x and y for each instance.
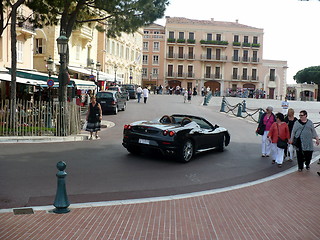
(182, 20)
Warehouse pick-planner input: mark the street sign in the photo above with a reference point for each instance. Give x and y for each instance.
(50, 82)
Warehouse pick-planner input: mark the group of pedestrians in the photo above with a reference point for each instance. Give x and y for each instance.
(283, 135)
(144, 92)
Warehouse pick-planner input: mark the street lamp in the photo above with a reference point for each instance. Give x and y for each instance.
(50, 66)
(91, 66)
(115, 74)
(130, 75)
(98, 68)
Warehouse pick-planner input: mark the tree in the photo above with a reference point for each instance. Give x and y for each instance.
(309, 75)
(116, 15)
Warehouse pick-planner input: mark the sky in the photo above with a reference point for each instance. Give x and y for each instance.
(291, 27)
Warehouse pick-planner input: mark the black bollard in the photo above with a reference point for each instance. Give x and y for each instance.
(61, 201)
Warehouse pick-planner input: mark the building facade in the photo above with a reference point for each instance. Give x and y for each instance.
(227, 57)
(153, 59)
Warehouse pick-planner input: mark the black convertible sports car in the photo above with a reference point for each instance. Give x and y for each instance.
(179, 135)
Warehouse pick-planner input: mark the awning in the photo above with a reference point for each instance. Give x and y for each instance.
(83, 85)
(7, 77)
(102, 75)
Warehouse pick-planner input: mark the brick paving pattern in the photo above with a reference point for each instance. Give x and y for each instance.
(285, 208)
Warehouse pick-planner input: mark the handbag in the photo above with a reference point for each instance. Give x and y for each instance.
(281, 143)
(297, 140)
(260, 130)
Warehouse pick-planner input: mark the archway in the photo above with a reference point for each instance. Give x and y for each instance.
(214, 86)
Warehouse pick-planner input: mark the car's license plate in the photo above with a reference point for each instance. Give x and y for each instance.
(144, 141)
(103, 101)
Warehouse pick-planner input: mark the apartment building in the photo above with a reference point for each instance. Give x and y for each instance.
(225, 56)
(153, 55)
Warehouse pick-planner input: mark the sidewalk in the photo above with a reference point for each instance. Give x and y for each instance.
(285, 206)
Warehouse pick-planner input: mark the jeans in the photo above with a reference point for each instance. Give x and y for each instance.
(139, 97)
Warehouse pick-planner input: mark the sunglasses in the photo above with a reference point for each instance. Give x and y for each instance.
(301, 115)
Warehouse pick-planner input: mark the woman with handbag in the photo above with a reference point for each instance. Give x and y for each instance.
(301, 137)
(290, 119)
(266, 120)
(279, 136)
(94, 117)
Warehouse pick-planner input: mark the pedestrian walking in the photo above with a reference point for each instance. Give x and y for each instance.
(290, 120)
(266, 120)
(189, 95)
(185, 96)
(304, 132)
(139, 92)
(285, 106)
(94, 117)
(279, 130)
(145, 92)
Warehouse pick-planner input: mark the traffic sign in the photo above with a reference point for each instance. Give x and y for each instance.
(50, 82)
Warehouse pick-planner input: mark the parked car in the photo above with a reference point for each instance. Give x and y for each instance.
(178, 135)
(111, 101)
(131, 88)
(121, 90)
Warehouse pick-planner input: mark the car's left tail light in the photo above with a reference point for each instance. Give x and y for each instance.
(127, 127)
(169, 133)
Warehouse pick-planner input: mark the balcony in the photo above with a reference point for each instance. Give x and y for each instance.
(245, 77)
(255, 45)
(254, 78)
(190, 75)
(255, 60)
(171, 40)
(236, 44)
(181, 41)
(272, 78)
(191, 41)
(235, 77)
(180, 75)
(170, 74)
(171, 55)
(235, 59)
(191, 56)
(26, 29)
(246, 44)
(216, 58)
(245, 59)
(84, 32)
(208, 76)
(205, 43)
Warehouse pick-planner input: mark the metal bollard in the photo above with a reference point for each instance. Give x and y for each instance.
(61, 201)
(244, 106)
(223, 105)
(239, 111)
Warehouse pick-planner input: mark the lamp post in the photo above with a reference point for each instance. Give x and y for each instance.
(130, 75)
(115, 74)
(98, 68)
(50, 70)
(91, 66)
(62, 42)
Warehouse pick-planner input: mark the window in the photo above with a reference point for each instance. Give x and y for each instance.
(191, 35)
(127, 53)
(180, 55)
(155, 60)
(146, 32)
(236, 55)
(255, 56)
(255, 40)
(132, 55)
(272, 75)
(145, 59)
(209, 36)
(39, 46)
(170, 54)
(190, 71)
(155, 72)
(209, 53)
(113, 48)
(254, 74)
(245, 74)
(217, 74)
(246, 39)
(235, 73)
(170, 70)
(121, 51)
(218, 54)
(180, 70)
(156, 46)
(144, 72)
(245, 55)
(156, 32)
(208, 72)
(145, 46)
(236, 38)
(78, 51)
(190, 53)
(181, 35)
(171, 34)
(218, 37)
(19, 51)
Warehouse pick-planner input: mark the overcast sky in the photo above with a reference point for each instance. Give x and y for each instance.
(291, 27)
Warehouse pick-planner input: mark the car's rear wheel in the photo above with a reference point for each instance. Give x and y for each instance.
(134, 150)
(115, 111)
(124, 107)
(186, 152)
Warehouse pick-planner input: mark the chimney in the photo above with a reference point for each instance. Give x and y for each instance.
(212, 19)
(237, 20)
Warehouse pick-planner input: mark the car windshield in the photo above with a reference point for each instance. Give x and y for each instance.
(104, 95)
(113, 88)
(128, 87)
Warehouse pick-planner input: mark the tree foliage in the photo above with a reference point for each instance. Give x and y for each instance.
(309, 75)
(117, 15)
